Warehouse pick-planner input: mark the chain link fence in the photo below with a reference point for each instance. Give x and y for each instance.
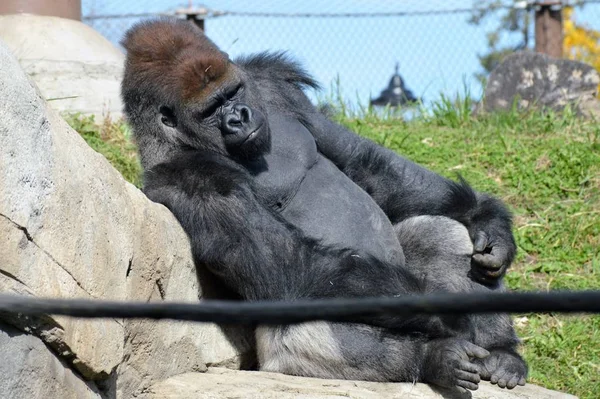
(353, 46)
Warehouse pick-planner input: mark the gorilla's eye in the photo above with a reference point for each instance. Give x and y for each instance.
(221, 98)
(211, 108)
(231, 93)
(167, 116)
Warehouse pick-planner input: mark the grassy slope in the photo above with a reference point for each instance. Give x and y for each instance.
(547, 168)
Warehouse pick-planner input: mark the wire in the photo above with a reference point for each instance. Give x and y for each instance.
(348, 14)
(210, 13)
(280, 312)
(92, 17)
(215, 14)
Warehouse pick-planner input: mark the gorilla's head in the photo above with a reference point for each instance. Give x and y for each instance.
(181, 92)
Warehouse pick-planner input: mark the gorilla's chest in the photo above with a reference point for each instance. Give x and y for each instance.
(311, 193)
(293, 154)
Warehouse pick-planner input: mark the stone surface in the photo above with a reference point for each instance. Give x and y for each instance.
(72, 227)
(30, 370)
(76, 68)
(223, 383)
(539, 80)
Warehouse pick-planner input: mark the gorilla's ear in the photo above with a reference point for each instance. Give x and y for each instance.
(167, 117)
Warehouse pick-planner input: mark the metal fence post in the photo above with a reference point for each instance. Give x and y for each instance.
(196, 15)
(548, 28)
(54, 8)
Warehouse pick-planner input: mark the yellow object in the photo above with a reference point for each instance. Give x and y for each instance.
(580, 42)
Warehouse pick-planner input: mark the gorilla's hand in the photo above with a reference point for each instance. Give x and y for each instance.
(494, 246)
(492, 255)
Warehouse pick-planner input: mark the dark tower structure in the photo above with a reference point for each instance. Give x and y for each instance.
(396, 94)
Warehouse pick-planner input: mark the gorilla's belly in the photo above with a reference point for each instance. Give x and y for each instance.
(329, 207)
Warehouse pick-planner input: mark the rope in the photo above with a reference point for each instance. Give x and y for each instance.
(338, 309)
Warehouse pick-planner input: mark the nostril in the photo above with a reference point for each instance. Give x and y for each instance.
(245, 114)
(231, 123)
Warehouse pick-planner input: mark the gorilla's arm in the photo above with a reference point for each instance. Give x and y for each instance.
(404, 189)
(256, 254)
(228, 230)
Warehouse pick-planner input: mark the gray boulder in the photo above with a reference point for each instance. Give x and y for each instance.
(538, 80)
(72, 227)
(75, 68)
(30, 370)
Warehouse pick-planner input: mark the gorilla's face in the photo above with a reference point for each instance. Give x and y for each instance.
(181, 90)
(224, 121)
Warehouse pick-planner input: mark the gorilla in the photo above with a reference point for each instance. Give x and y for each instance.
(281, 203)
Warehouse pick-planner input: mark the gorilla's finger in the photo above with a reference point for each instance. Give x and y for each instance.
(482, 277)
(499, 251)
(495, 274)
(502, 381)
(473, 350)
(488, 261)
(522, 381)
(482, 370)
(468, 385)
(495, 377)
(480, 241)
(466, 376)
(512, 382)
(468, 367)
(461, 389)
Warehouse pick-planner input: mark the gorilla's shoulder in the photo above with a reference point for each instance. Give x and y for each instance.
(277, 65)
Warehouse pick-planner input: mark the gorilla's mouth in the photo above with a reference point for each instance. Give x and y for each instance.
(252, 134)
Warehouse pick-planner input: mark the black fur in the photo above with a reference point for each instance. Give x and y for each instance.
(321, 212)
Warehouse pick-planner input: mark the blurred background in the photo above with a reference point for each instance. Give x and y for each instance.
(353, 47)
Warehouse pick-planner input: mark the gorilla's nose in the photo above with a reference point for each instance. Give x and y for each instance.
(234, 121)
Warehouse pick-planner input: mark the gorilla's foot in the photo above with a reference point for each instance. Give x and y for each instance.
(449, 364)
(502, 367)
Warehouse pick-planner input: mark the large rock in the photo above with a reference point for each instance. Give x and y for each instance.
(219, 383)
(75, 68)
(534, 79)
(30, 370)
(71, 227)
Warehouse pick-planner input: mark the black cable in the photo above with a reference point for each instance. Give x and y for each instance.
(276, 312)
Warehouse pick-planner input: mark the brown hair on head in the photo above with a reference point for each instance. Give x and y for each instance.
(177, 57)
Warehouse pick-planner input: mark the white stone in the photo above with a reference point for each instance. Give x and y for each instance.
(219, 383)
(75, 68)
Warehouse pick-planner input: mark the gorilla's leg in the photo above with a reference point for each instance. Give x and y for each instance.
(361, 352)
(438, 251)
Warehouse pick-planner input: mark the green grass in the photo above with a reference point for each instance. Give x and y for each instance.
(113, 140)
(547, 168)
